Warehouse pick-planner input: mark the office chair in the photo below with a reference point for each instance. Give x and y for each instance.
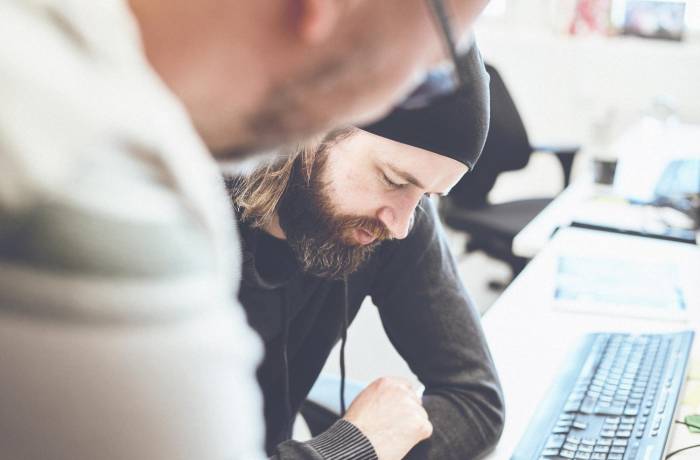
(492, 227)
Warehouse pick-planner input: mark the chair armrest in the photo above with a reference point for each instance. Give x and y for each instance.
(565, 154)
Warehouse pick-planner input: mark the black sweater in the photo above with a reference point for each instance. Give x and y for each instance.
(426, 313)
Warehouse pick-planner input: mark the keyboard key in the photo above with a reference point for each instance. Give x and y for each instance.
(588, 405)
(598, 456)
(616, 409)
(550, 452)
(555, 441)
(573, 440)
(632, 409)
(580, 425)
(572, 407)
(663, 402)
(567, 453)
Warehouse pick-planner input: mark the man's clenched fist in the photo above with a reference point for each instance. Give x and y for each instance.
(391, 415)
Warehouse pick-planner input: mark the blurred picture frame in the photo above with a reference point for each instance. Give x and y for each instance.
(659, 19)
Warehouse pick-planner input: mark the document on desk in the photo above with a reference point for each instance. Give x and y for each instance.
(620, 287)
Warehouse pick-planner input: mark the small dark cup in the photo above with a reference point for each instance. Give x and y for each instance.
(604, 171)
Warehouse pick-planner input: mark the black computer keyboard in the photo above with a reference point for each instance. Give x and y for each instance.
(615, 400)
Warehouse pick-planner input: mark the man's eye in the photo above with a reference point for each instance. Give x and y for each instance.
(391, 183)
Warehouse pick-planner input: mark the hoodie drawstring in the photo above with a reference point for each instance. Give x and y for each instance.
(285, 362)
(285, 356)
(342, 347)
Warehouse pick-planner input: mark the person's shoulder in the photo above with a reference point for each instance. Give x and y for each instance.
(75, 87)
(107, 190)
(65, 260)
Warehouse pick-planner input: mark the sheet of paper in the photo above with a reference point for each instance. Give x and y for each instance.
(618, 281)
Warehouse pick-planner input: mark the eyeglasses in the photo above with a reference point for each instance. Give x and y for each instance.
(442, 16)
(446, 79)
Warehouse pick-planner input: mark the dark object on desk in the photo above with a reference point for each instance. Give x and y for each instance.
(678, 235)
(604, 171)
(614, 400)
(492, 227)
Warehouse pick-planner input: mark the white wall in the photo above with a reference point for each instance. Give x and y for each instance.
(561, 83)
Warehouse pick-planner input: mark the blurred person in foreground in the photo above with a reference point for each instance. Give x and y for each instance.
(119, 329)
(347, 217)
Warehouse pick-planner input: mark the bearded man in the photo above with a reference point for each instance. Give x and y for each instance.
(349, 217)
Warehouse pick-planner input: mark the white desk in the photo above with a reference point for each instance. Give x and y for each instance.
(530, 339)
(586, 201)
(560, 212)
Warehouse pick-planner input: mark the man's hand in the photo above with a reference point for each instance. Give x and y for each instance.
(391, 415)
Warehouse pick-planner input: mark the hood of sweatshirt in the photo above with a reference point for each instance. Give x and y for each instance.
(269, 264)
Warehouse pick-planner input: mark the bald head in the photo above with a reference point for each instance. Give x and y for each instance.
(254, 75)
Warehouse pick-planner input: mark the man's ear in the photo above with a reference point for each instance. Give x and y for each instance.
(314, 20)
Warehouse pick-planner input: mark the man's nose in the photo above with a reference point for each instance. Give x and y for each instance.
(398, 217)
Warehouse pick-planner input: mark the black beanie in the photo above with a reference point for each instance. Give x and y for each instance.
(454, 125)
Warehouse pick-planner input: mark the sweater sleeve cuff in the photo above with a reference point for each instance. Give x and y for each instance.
(343, 441)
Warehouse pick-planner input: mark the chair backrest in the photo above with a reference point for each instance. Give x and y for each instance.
(507, 148)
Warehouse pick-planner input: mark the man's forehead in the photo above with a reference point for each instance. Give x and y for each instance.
(397, 154)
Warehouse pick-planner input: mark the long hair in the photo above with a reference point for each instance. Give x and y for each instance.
(257, 195)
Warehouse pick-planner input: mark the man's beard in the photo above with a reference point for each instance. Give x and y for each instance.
(323, 241)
